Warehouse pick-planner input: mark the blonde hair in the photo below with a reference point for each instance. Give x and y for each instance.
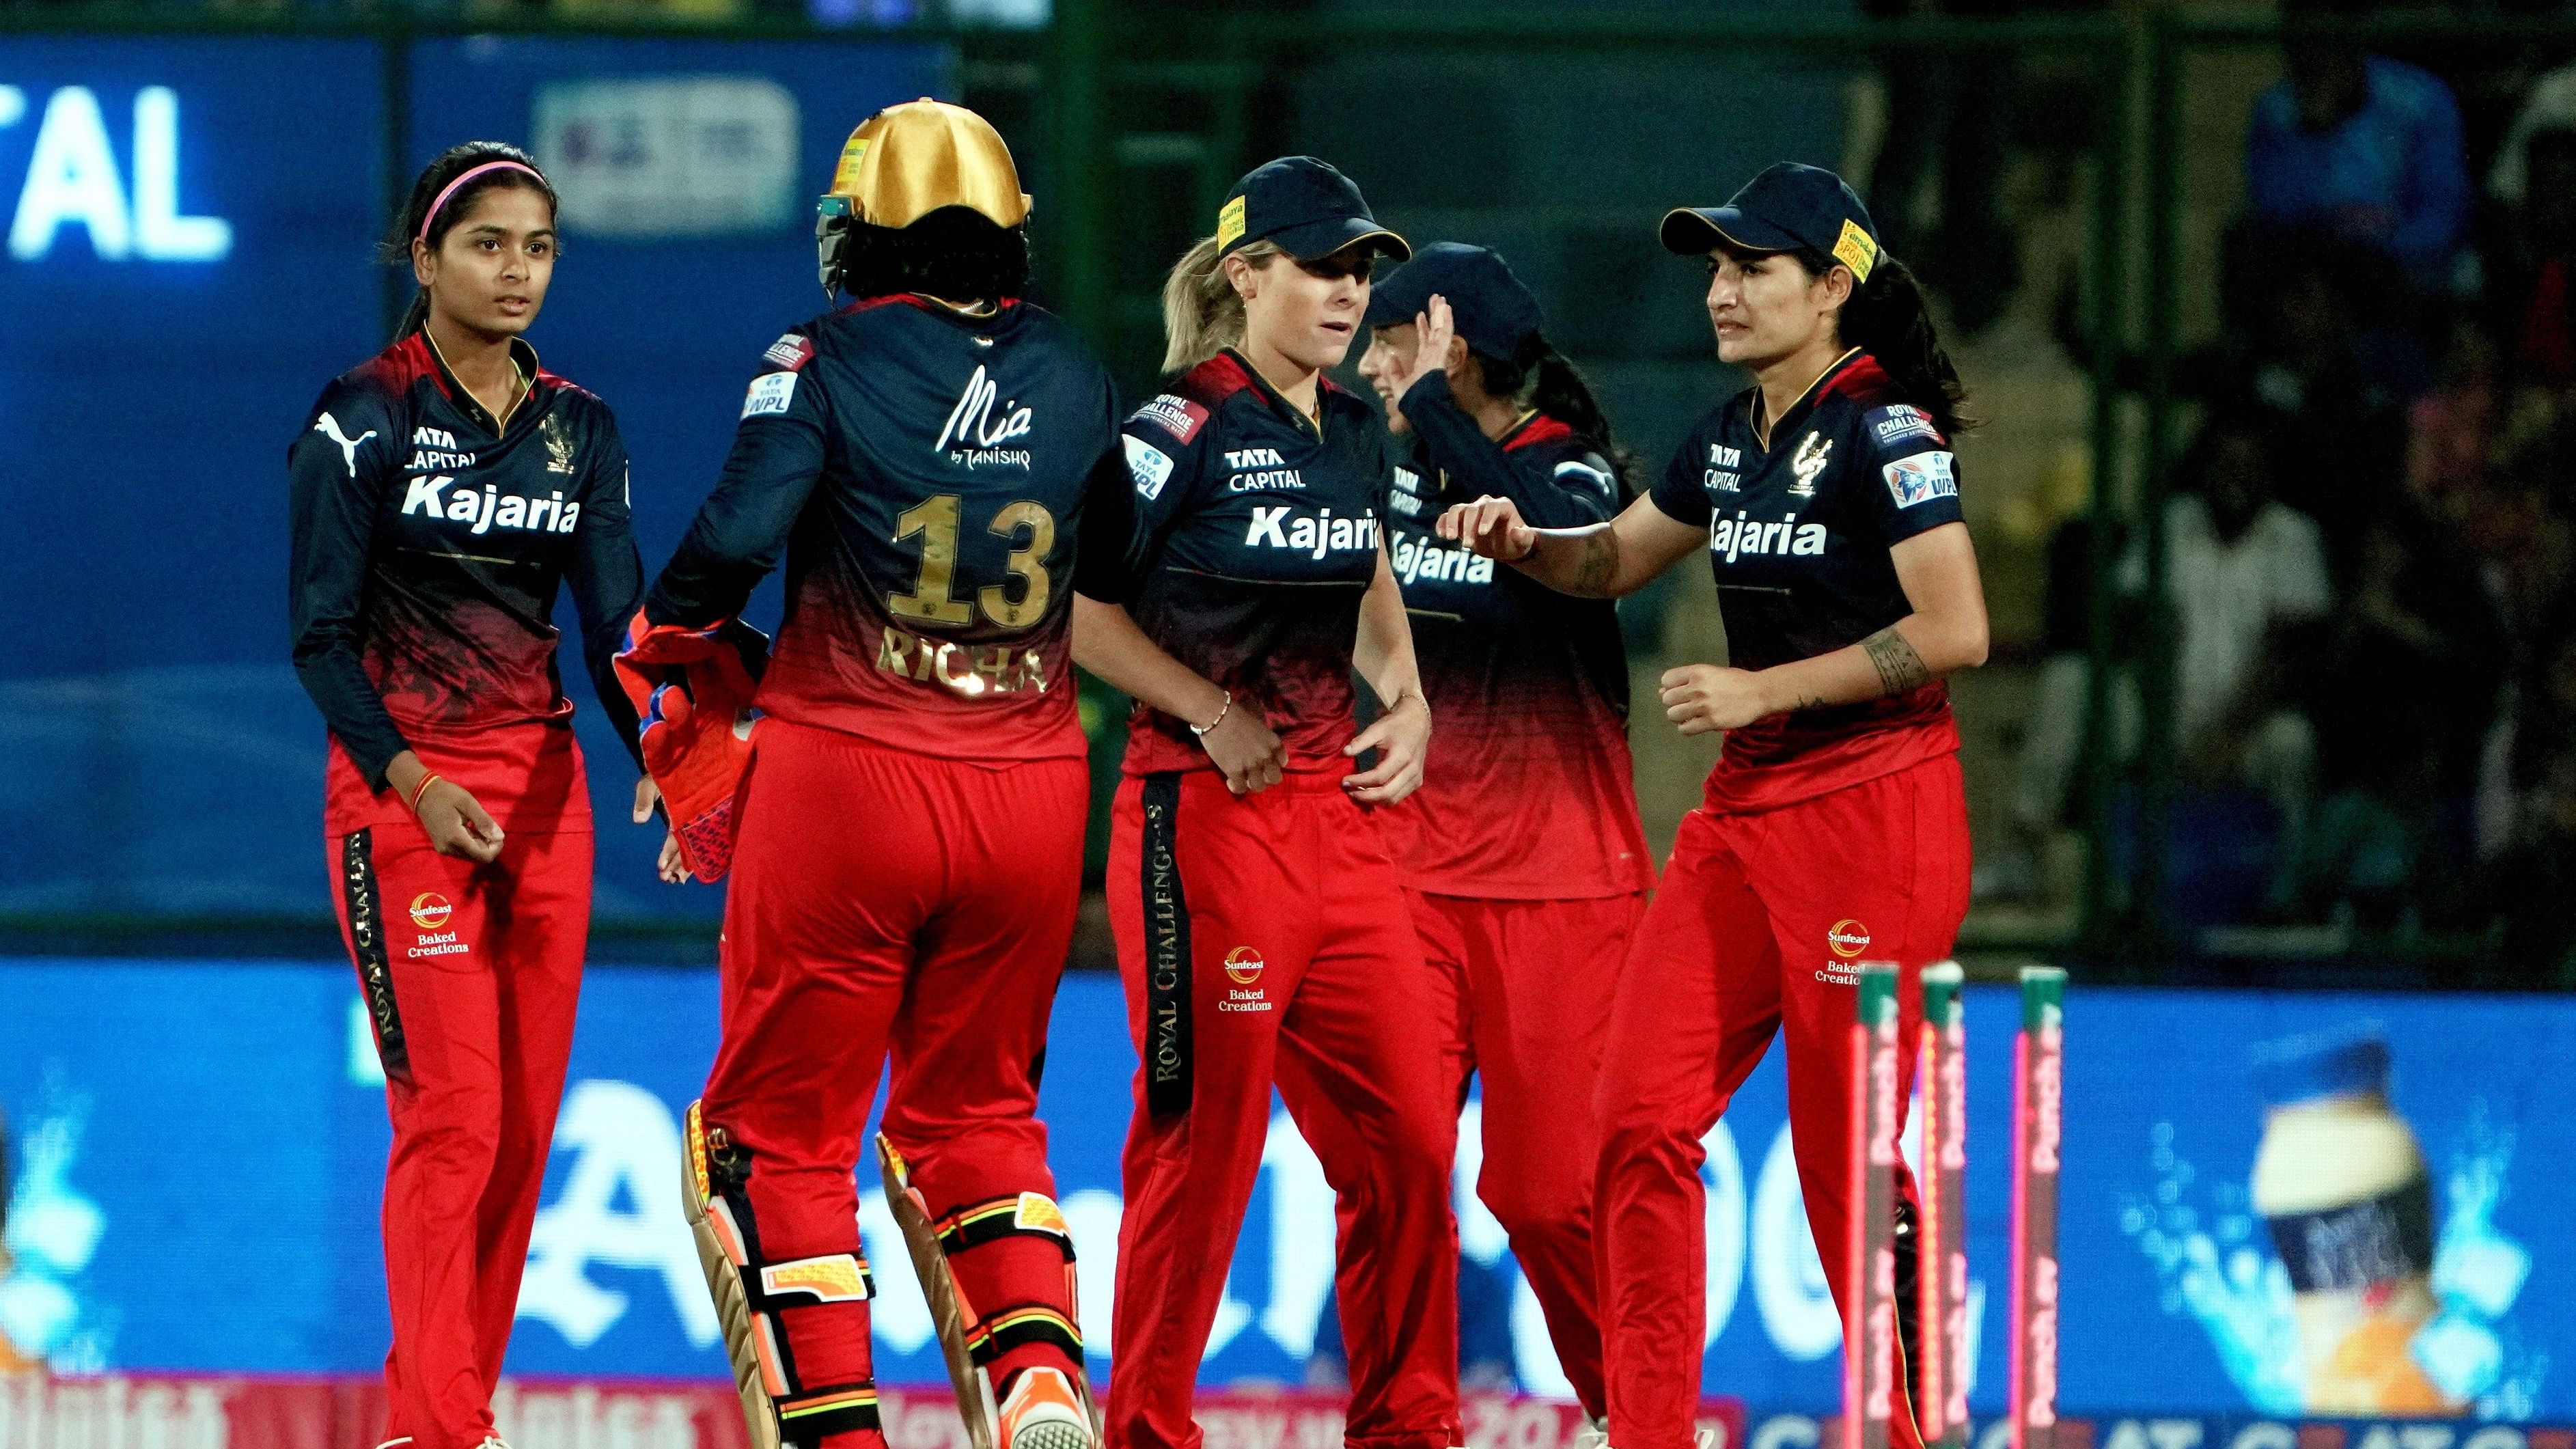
(1202, 313)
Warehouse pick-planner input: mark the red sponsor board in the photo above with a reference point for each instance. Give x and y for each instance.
(178, 1411)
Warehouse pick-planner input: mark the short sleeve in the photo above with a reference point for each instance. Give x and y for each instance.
(1682, 493)
(1912, 482)
(1160, 450)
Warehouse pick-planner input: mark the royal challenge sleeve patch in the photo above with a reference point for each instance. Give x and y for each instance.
(1890, 426)
(792, 352)
(1177, 416)
(1150, 466)
(771, 392)
(1923, 477)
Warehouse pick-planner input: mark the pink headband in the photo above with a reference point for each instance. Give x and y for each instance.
(431, 215)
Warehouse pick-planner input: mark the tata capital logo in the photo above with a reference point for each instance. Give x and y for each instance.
(1848, 938)
(75, 177)
(1243, 965)
(430, 910)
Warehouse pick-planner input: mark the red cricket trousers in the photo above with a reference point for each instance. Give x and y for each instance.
(1758, 927)
(470, 973)
(1525, 990)
(1264, 939)
(886, 902)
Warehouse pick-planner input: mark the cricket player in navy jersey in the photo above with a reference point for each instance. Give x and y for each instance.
(907, 837)
(1834, 827)
(1261, 925)
(1523, 859)
(439, 496)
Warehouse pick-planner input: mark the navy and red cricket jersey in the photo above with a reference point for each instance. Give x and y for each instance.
(1801, 516)
(1252, 538)
(924, 470)
(1528, 794)
(1263, 937)
(429, 540)
(1827, 837)
(908, 852)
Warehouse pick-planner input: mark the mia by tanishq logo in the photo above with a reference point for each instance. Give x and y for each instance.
(977, 427)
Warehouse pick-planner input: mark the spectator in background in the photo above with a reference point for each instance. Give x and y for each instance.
(2361, 146)
(1948, 120)
(2329, 378)
(2451, 430)
(2248, 583)
(2247, 577)
(2550, 105)
(2054, 724)
(2533, 877)
(2533, 278)
(2406, 690)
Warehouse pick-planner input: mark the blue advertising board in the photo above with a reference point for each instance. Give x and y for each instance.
(187, 1136)
(188, 239)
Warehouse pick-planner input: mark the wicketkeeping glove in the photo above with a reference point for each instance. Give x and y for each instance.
(692, 690)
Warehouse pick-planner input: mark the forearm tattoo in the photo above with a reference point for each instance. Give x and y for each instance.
(1598, 565)
(1899, 667)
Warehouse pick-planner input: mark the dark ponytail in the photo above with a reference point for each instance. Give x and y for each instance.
(1538, 376)
(453, 162)
(1888, 319)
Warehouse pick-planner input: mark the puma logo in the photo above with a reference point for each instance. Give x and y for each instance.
(329, 427)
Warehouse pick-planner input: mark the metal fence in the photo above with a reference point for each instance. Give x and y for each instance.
(1132, 125)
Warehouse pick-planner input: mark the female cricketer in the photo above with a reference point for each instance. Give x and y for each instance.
(1261, 926)
(438, 496)
(1834, 828)
(907, 854)
(1523, 859)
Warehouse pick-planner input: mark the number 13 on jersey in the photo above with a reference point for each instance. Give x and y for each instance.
(931, 600)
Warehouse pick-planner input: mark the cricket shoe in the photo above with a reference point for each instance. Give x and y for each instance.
(1044, 1412)
(1595, 1433)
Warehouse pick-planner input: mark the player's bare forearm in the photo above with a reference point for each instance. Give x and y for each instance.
(1885, 663)
(1615, 559)
(1383, 652)
(1945, 633)
(1107, 642)
(1583, 561)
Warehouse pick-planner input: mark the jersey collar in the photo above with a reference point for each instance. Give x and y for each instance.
(1763, 433)
(1279, 402)
(523, 358)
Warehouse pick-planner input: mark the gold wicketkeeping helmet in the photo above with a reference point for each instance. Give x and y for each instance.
(910, 160)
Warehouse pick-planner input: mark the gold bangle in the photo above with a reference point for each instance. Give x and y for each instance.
(421, 789)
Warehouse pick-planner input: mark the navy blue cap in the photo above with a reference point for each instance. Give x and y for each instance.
(1787, 207)
(1494, 312)
(1304, 206)
(2344, 1063)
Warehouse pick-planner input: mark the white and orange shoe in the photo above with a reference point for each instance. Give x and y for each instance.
(1044, 1412)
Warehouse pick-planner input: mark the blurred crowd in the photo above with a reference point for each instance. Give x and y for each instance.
(2370, 593)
